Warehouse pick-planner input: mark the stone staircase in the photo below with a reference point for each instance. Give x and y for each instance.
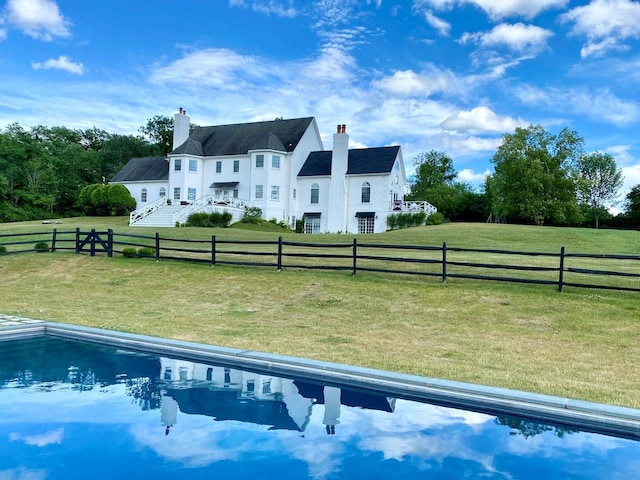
(162, 217)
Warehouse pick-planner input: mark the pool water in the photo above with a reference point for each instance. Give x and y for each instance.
(80, 410)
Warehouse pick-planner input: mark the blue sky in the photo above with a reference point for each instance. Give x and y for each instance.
(449, 75)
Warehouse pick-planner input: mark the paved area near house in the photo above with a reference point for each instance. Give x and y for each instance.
(13, 320)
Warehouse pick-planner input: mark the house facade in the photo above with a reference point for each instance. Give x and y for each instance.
(280, 167)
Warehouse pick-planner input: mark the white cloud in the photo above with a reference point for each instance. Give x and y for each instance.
(605, 24)
(268, 7)
(3, 34)
(481, 119)
(429, 82)
(440, 25)
(61, 63)
(497, 9)
(42, 440)
(517, 37)
(600, 104)
(470, 176)
(37, 18)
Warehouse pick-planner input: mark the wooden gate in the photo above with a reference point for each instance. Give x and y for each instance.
(94, 242)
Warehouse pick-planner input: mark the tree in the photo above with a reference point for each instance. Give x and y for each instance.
(532, 179)
(598, 180)
(159, 131)
(105, 200)
(432, 169)
(633, 205)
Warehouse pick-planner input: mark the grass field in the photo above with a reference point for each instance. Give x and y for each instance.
(580, 343)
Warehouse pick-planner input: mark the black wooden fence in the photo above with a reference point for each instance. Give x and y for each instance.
(561, 269)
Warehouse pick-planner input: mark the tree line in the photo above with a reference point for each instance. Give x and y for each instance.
(539, 178)
(44, 169)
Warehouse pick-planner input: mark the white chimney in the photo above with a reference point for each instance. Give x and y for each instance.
(181, 126)
(337, 214)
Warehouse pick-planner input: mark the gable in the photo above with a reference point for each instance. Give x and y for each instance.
(239, 139)
(361, 161)
(143, 169)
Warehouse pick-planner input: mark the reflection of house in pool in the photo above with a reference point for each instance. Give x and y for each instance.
(225, 393)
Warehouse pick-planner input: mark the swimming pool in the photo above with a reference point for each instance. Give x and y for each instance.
(126, 405)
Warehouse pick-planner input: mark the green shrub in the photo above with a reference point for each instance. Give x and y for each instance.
(3, 249)
(199, 220)
(252, 215)
(299, 226)
(129, 252)
(221, 220)
(435, 219)
(215, 219)
(147, 252)
(105, 200)
(392, 221)
(41, 247)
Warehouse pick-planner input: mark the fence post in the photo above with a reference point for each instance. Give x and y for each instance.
(213, 250)
(355, 256)
(53, 240)
(279, 253)
(110, 243)
(444, 262)
(561, 272)
(77, 240)
(93, 242)
(157, 247)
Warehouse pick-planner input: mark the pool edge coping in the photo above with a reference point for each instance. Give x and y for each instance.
(602, 418)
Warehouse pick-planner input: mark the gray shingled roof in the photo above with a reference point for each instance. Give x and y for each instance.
(238, 139)
(143, 168)
(361, 161)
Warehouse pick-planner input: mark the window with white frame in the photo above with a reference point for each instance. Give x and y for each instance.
(293, 222)
(312, 224)
(366, 224)
(163, 192)
(259, 161)
(235, 193)
(176, 193)
(236, 166)
(315, 193)
(191, 194)
(143, 195)
(275, 192)
(177, 165)
(219, 166)
(193, 165)
(295, 193)
(275, 161)
(259, 192)
(366, 192)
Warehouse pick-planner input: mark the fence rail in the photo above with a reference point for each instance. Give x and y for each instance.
(562, 269)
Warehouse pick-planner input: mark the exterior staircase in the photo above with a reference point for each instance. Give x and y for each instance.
(162, 217)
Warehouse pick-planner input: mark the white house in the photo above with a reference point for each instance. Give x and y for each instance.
(279, 166)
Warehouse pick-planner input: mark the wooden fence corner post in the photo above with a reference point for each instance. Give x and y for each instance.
(110, 243)
(561, 270)
(355, 257)
(213, 250)
(444, 262)
(279, 254)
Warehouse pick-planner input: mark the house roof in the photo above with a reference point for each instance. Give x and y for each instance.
(143, 168)
(238, 139)
(360, 161)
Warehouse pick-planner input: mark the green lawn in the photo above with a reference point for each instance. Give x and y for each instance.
(580, 343)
